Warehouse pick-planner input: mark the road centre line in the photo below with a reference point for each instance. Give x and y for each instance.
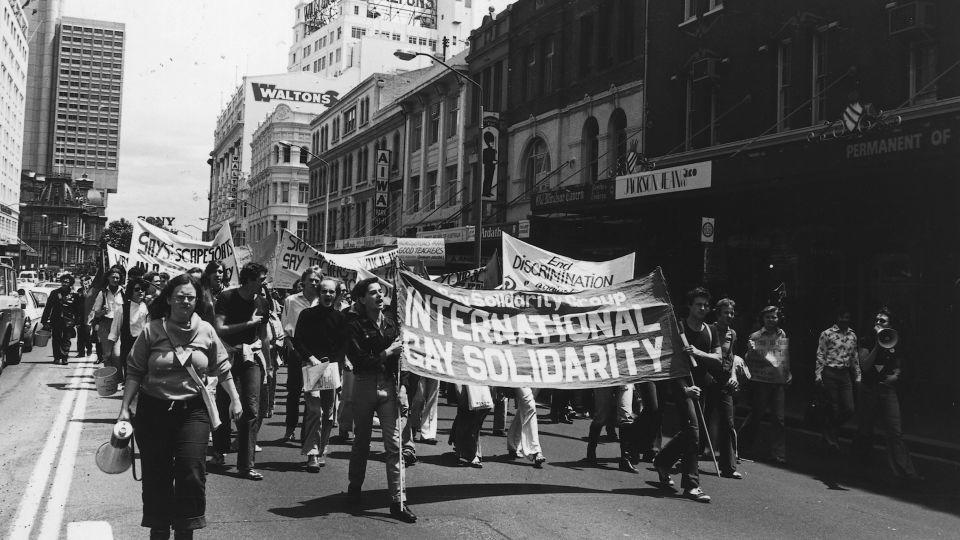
(30, 503)
(57, 500)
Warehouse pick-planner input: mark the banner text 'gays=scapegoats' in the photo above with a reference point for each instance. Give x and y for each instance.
(604, 337)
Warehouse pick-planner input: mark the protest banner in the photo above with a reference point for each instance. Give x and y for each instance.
(292, 257)
(617, 335)
(527, 267)
(115, 256)
(429, 251)
(158, 250)
(769, 358)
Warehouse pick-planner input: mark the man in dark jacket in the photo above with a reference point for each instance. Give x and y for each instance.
(62, 313)
(373, 351)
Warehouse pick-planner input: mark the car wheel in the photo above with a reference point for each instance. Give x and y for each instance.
(27, 339)
(14, 352)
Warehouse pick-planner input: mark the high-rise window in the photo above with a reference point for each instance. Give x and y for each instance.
(434, 132)
(303, 193)
(416, 130)
(922, 70)
(819, 77)
(784, 83)
(548, 54)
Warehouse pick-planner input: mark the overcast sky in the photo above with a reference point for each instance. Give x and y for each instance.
(183, 60)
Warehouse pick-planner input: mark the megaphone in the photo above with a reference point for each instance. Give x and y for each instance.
(116, 456)
(887, 338)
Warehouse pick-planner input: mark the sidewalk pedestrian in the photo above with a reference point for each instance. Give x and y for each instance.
(837, 364)
(240, 322)
(320, 337)
(766, 396)
(881, 366)
(293, 306)
(84, 340)
(373, 351)
(718, 402)
(173, 418)
(62, 313)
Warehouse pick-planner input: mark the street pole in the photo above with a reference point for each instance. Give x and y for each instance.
(478, 183)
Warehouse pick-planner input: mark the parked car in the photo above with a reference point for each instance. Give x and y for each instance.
(28, 276)
(32, 301)
(11, 318)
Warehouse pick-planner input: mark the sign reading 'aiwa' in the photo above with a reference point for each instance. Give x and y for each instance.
(380, 197)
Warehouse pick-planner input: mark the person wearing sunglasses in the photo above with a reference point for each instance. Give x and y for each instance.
(127, 326)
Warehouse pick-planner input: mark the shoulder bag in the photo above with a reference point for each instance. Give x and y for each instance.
(207, 392)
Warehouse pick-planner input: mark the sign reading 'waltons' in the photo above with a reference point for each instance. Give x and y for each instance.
(267, 92)
(603, 337)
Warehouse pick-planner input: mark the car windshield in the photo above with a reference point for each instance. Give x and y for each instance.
(39, 298)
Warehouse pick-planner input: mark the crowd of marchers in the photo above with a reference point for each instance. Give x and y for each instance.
(198, 358)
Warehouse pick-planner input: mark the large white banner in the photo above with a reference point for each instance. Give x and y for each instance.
(159, 250)
(529, 268)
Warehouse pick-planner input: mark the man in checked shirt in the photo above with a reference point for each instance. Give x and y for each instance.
(837, 364)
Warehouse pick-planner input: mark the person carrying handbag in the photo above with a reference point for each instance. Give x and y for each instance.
(168, 369)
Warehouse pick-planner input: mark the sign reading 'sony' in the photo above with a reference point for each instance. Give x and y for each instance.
(604, 337)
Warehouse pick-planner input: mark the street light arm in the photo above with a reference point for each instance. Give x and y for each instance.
(404, 55)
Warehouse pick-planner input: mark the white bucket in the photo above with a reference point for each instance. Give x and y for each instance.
(107, 378)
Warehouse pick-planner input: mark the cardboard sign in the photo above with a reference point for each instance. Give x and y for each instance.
(158, 250)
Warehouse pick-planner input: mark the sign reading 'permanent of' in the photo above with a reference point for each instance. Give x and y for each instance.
(607, 337)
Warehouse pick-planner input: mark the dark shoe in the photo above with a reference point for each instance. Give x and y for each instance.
(321, 461)
(626, 466)
(312, 465)
(612, 436)
(732, 474)
(565, 419)
(538, 461)
(498, 433)
(354, 495)
(431, 442)
(251, 474)
(159, 533)
(648, 457)
(663, 476)
(288, 436)
(512, 454)
(696, 494)
(401, 512)
(183, 535)
(217, 460)
(409, 460)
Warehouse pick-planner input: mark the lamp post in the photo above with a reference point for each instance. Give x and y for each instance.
(326, 190)
(477, 197)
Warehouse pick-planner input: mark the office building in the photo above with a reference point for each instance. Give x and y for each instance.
(13, 88)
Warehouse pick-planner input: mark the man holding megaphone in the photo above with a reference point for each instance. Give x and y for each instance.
(880, 366)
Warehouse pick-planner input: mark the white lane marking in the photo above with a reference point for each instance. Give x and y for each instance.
(85, 530)
(32, 495)
(57, 501)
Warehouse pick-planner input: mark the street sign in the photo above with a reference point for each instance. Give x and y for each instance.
(707, 230)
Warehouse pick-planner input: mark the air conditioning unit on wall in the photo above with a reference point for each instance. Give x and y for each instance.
(911, 17)
(704, 69)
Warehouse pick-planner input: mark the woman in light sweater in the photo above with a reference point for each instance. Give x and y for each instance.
(175, 411)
